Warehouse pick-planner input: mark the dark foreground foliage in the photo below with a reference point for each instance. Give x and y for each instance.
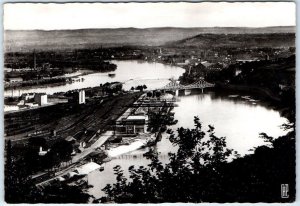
(199, 172)
(20, 187)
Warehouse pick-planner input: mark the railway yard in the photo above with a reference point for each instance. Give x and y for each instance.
(67, 119)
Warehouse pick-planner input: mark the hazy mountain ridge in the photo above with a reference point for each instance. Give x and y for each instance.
(238, 40)
(22, 40)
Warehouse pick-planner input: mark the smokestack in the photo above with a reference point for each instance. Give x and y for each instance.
(34, 59)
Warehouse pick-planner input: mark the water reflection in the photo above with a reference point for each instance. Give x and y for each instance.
(237, 119)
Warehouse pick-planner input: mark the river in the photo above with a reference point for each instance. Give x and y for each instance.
(238, 117)
(130, 72)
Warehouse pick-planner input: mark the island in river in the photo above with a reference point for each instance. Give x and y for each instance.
(49, 71)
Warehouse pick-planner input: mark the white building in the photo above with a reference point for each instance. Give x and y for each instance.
(43, 152)
(41, 99)
(15, 79)
(237, 71)
(82, 97)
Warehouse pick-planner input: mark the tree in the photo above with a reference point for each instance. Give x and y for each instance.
(62, 149)
(159, 120)
(149, 94)
(18, 185)
(37, 141)
(140, 87)
(60, 152)
(20, 188)
(157, 94)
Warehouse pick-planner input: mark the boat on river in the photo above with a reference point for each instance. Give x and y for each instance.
(111, 74)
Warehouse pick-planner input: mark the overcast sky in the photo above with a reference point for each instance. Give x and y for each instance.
(142, 15)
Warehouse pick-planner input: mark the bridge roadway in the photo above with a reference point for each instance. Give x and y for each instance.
(200, 84)
(173, 85)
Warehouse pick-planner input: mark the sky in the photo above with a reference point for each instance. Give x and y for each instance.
(51, 16)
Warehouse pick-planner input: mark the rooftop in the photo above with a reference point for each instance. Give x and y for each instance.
(137, 117)
(87, 168)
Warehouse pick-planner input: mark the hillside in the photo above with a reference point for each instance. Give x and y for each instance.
(27, 40)
(273, 40)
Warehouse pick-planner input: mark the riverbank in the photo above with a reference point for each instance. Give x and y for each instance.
(37, 83)
(140, 73)
(258, 91)
(68, 78)
(270, 99)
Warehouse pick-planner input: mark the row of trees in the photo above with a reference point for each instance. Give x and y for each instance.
(113, 87)
(159, 120)
(139, 87)
(155, 93)
(266, 74)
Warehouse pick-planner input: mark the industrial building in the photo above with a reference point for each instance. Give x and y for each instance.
(15, 79)
(77, 97)
(130, 123)
(81, 97)
(41, 99)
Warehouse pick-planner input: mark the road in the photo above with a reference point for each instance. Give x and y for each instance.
(76, 159)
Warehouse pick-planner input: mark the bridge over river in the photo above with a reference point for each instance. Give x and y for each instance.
(176, 86)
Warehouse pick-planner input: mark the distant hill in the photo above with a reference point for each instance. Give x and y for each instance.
(238, 40)
(27, 40)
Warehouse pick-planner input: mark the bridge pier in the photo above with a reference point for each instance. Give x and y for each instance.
(187, 91)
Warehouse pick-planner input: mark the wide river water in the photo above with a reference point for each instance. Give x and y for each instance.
(238, 117)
